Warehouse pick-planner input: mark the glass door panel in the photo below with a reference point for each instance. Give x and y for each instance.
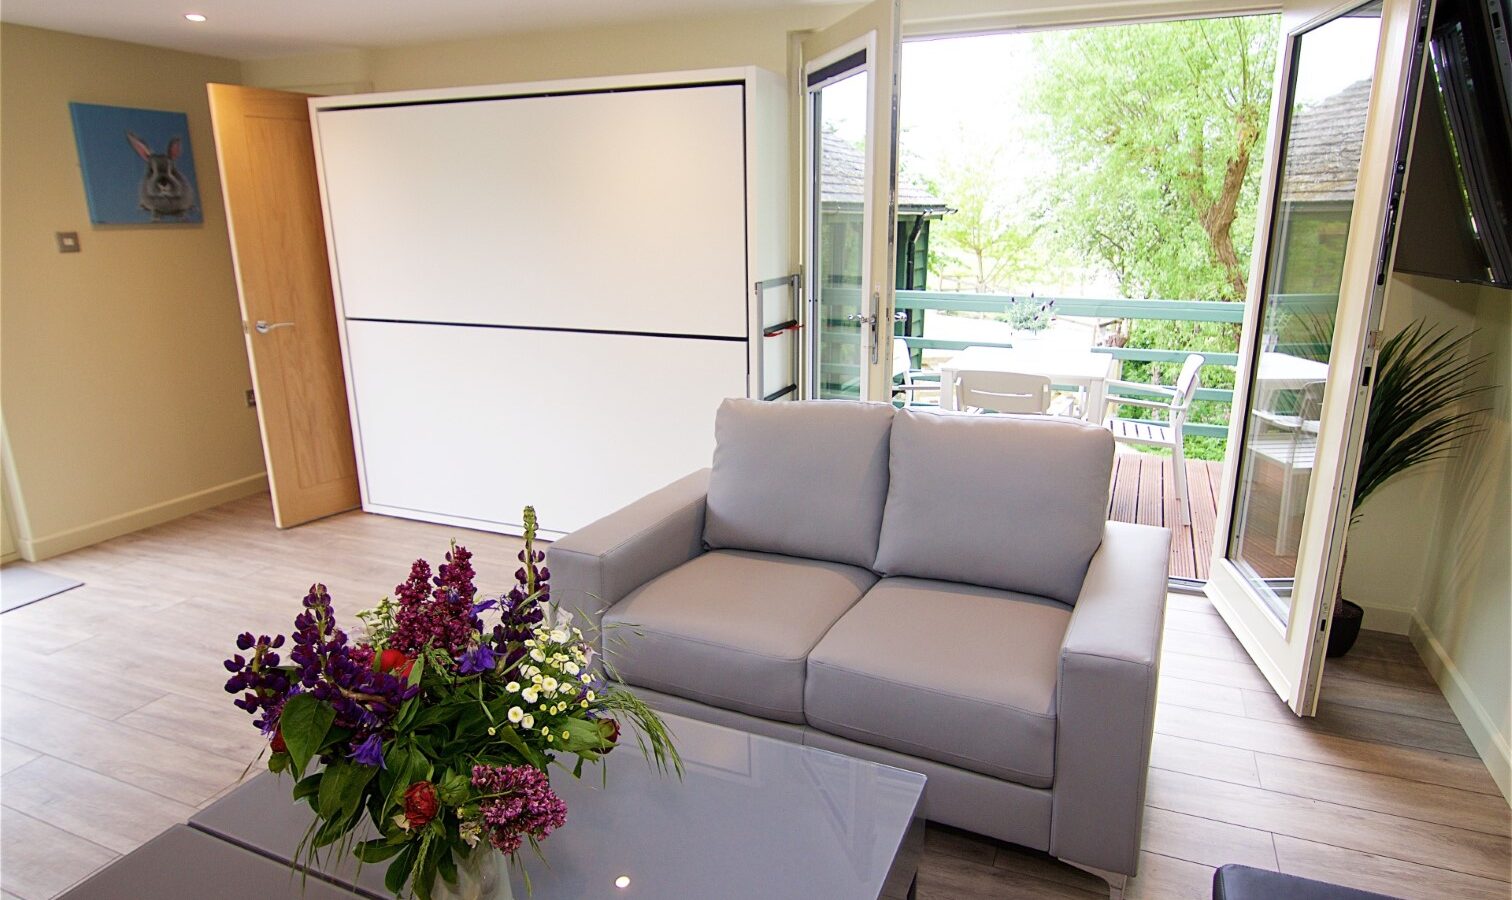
(849, 148)
(1341, 124)
(840, 252)
(1317, 173)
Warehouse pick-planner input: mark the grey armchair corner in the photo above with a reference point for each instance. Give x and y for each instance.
(595, 567)
(1109, 662)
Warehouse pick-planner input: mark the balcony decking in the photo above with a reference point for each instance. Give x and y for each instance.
(1145, 493)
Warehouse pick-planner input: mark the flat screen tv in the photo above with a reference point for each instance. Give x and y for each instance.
(1457, 213)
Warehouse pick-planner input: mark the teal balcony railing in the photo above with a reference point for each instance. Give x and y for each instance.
(1305, 307)
(1092, 308)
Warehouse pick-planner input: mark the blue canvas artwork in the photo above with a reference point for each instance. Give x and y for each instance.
(137, 164)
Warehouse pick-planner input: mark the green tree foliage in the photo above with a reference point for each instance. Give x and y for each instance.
(986, 242)
(1158, 130)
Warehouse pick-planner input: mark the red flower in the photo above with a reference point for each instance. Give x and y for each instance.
(420, 804)
(391, 659)
(610, 729)
(277, 743)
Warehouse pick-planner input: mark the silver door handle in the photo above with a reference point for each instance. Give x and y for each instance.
(864, 320)
(265, 327)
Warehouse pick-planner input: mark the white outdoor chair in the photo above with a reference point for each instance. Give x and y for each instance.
(1167, 434)
(1003, 392)
(909, 381)
(1290, 441)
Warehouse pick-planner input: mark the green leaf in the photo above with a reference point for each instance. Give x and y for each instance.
(304, 723)
(278, 762)
(332, 831)
(399, 870)
(341, 789)
(583, 735)
(378, 850)
(308, 786)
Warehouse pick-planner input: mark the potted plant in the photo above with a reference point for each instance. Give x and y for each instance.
(1417, 414)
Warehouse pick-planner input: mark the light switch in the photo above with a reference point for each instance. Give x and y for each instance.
(68, 242)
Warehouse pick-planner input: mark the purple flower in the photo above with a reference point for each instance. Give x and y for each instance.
(478, 659)
(440, 616)
(369, 752)
(517, 803)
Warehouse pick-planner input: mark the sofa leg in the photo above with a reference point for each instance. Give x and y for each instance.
(1117, 881)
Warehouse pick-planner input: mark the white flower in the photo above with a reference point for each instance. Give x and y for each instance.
(537, 655)
(512, 687)
(402, 822)
(571, 668)
(528, 722)
(531, 694)
(549, 686)
(586, 678)
(516, 714)
(470, 831)
(559, 635)
(591, 696)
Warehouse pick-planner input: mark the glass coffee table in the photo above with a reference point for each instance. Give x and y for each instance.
(752, 817)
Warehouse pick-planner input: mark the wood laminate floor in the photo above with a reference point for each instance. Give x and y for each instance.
(113, 726)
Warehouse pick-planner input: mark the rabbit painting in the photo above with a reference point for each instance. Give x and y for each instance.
(164, 193)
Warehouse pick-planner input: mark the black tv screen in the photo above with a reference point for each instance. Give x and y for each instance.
(1457, 214)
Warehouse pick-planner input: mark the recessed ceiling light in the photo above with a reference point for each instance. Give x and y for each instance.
(622, 882)
(194, 17)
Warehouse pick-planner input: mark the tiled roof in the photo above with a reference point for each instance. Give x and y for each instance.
(844, 178)
(1323, 156)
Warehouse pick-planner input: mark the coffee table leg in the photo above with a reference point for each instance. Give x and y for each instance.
(913, 889)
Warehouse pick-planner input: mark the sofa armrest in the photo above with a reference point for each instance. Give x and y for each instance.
(594, 567)
(1105, 714)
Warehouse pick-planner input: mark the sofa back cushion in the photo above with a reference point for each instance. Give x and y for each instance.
(1010, 502)
(800, 478)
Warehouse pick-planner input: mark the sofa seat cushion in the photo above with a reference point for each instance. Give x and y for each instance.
(731, 628)
(803, 478)
(959, 674)
(1011, 502)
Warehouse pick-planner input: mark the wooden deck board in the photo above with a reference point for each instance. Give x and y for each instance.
(1144, 493)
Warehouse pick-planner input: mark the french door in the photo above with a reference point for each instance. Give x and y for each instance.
(1348, 82)
(850, 143)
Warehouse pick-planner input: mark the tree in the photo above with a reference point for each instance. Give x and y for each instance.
(986, 241)
(1156, 128)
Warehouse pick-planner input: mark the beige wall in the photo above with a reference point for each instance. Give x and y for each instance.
(122, 368)
(1434, 550)
(736, 39)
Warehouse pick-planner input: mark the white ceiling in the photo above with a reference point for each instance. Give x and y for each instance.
(248, 29)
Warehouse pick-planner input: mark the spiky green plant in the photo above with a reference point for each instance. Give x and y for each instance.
(1418, 408)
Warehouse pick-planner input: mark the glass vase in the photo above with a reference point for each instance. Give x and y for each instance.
(480, 876)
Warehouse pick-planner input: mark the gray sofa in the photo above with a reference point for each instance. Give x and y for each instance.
(938, 592)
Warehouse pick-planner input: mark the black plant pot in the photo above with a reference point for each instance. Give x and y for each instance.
(1347, 618)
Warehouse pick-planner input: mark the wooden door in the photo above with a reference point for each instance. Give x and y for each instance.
(267, 165)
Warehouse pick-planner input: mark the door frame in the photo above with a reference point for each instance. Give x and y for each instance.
(1290, 655)
(809, 198)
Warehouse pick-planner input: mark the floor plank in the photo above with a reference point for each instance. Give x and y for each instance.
(1206, 841)
(1380, 834)
(102, 810)
(1370, 872)
(1283, 739)
(1383, 793)
(42, 861)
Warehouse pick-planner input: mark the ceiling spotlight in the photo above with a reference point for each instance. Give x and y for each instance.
(622, 882)
(194, 17)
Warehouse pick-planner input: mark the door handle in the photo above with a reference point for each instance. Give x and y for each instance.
(264, 327)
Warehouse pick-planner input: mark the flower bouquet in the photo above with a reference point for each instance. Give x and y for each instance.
(439, 726)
